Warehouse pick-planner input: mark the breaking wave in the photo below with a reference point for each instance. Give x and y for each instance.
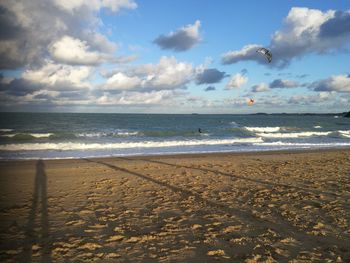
(65, 146)
(300, 144)
(6, 130)
(263, 129)
(345, 133)
(293, 134)
(107, 134)
(27, 135)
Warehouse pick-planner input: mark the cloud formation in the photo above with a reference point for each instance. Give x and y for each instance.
(49, 85)
(166, 75)
(28, 28)
(182, 39)
(59, 77)
(338, 83)
(76, 52)
(262, 87)
(283, 83)
(275, 84)
(304, 31)
(209, 76)
(236, 81)
(210, 88)
(159, 97)
(114, 5)
(69, 85)
(311, 99)
(121, 81)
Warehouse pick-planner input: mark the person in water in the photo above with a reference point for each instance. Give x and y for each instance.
(199, 130)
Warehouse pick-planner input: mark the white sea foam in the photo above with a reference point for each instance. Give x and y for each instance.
(40, 135)
(123, 145)
(6, 130)
(106, 134)
(317, 127)
(263, 129)
(293, 134)
(297, 144)
(345, 133)
(35, 135)
(8, 135)
(126, 133)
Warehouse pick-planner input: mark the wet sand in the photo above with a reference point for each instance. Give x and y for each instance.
(246, 207)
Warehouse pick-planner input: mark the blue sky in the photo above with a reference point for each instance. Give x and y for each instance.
(174, 56)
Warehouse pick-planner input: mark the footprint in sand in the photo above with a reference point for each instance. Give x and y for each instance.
(115, 238)
(112, 255)
(90, 246)
(75, 223)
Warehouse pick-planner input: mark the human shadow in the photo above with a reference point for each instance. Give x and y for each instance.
(41, 240)
(278, 225)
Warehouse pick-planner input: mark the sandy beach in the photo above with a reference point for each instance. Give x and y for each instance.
(234, 207)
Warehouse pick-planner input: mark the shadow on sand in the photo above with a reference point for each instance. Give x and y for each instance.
(279, 225)
(38, 239)
(237, 177)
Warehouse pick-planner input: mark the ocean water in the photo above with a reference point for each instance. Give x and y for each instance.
(72, 135)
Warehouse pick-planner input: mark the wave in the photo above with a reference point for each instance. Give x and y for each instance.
(317, 127)
(26, 136)
(172, 133)
(301, 144)
(263, 129)
(107, 134)
(123, 145)
(65, 135)
(234, 124)
(6, 130)
(345, 133)
(293, 134)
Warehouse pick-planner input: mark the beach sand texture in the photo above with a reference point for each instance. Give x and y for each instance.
(249, 207)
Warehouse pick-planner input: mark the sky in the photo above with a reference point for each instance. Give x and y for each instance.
(162, 56)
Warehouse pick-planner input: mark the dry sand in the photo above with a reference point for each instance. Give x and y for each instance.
(252, 207)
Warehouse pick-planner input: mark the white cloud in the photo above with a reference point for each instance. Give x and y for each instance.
(120, 81)
(338, 83)
(36, 25)
(182, 39)
(304, 31)
(100, 42)
(76, 52)
(114, 5)
(137, 98)
(236, 81)
(59, 76)
(40, 95)
(262, 87)
(283, 83)
(167, 74)
(309, 99)
(248, 52)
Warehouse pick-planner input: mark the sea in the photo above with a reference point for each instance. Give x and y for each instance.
(80, 135)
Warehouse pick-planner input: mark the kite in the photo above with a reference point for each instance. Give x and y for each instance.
(251, 102)
(266, 53)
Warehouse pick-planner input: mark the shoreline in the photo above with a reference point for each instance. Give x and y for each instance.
(179, 155)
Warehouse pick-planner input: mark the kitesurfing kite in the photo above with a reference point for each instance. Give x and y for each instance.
(266, 53)
(251, 102)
